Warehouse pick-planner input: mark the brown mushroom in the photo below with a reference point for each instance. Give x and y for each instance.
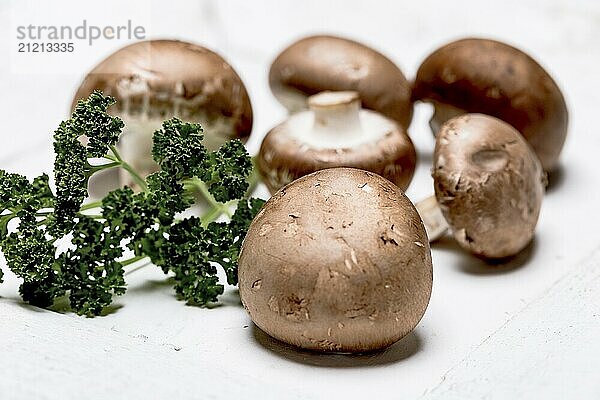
(337, 261)
(320, 63)
(490, 77)
(157, 79)
(489, 185)
(336, 132)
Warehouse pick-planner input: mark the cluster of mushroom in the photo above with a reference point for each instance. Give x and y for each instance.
(489, 173)
(339, 259)
(334, 78)
(329, 261)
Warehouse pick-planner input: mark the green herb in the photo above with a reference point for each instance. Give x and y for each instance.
(33, 220)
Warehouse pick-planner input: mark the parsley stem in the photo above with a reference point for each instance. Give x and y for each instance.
(137, 267)
(216, 209)
(132, 260)
(125, 165)
(201, 187)
(37, 214)
(4, 220)
(253, 179)
(211, 215)
(7, 217)
(95, 168)
(94, 216)
(89, 206)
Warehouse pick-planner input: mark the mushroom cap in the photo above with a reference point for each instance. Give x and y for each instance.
(490, 77)
(163, 78)
(339, 261)
(489, 184)
(319, 63)
(284, 157)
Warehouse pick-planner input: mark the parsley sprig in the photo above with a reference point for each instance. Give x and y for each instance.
(90, 271)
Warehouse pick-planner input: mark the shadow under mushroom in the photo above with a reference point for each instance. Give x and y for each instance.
(473, 265)
(405, 348)
(556, 178)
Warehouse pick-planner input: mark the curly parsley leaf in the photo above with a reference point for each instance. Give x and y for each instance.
(71, 167)
(226, 171)
(90, 272)
(226, 238)
(90, 120)
(178, 149)
(30, 255)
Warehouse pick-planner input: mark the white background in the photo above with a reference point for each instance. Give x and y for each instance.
(508, 331)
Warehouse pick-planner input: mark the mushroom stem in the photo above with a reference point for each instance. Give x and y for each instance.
(441, 113)
(336, 113)
(433, 219)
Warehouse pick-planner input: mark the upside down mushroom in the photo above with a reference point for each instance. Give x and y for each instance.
(489, 186)
(337, 261)
(157, 79)
(486, 76)
(336, 132)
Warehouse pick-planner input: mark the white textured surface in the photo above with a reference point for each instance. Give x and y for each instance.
(549, 350)
(132, 352)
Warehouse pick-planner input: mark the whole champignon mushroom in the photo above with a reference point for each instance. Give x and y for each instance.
(158, 79)
(322, 63)
(336, 132)
(489, 185)
(336, 261)
(490, 77)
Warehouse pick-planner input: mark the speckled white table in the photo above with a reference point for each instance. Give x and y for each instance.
(528, 329)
